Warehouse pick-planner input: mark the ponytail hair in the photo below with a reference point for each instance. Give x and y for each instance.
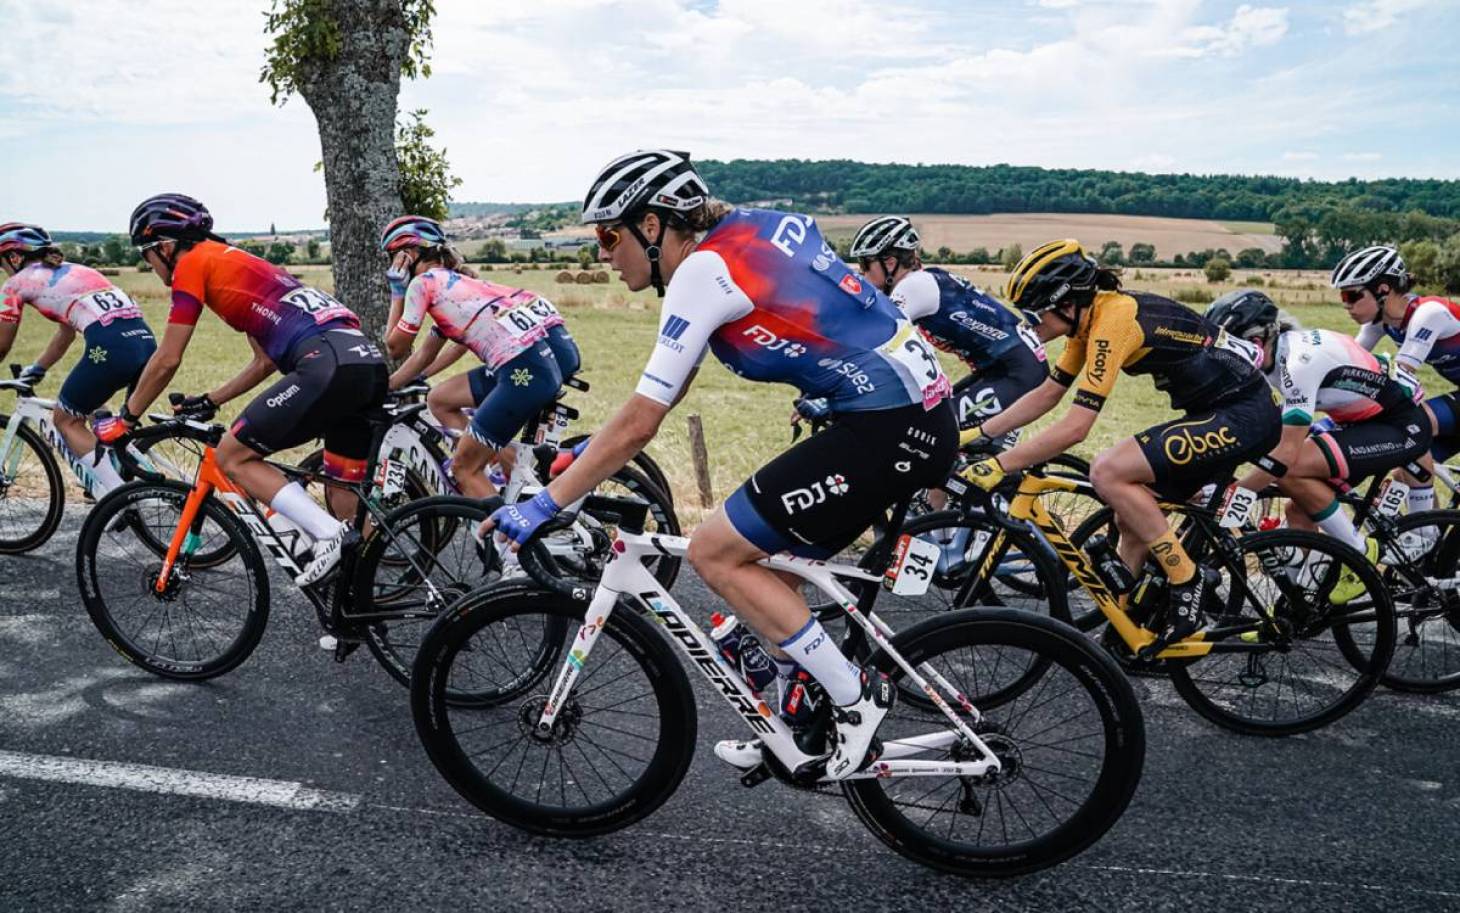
(1107, 280)
(50, 256)
(449, 258)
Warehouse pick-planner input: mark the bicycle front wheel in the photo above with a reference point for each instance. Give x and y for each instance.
(1071, 745)
(197, 623)
(622, 738)
(1422, 578)
(1287, 659)
(32, 492)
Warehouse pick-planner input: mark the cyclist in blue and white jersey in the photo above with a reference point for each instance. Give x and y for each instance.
(1004, 356)
(766, 294)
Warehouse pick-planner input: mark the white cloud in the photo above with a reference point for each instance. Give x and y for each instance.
(1377, 15)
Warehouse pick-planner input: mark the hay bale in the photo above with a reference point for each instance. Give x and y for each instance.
(585, 278)
(563, 278)
(109, 271)
(601, 277)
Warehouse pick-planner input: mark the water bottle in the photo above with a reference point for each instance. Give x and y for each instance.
(742, 650)
(1108, 565)
(296, 540)
(799, 698)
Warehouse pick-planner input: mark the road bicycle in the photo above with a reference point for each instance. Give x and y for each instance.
(1015, 743)
(32, 490)
(1280, 657)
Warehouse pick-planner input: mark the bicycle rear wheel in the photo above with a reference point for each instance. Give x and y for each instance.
(1426, 602)
(1299, 662)
(1071, 745)
(205, 620)
(623, 737)
(32, 492)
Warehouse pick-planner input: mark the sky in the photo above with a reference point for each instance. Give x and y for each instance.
(104, 102)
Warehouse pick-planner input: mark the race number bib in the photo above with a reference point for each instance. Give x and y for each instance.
(109, 304)
(522, 321)
(316, 304)
(909, 349)
(1247, 351)
(1392, 498)
(912, 567)
(1236, 509)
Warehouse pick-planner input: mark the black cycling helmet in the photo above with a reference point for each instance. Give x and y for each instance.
(885, 235)
(1245, 313)
(170, 217)
(1047, 276)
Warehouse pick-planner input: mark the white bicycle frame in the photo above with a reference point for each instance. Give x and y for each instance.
(37, 412)
(627, 576)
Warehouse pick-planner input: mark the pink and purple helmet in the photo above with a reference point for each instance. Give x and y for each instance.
(19, 236)
(411, 231)
(170, 216)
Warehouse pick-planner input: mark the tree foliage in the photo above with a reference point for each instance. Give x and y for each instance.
(426, 181)
(306, 33)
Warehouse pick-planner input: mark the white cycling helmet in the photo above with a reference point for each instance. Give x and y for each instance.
(658, 178)
(1362, 268)
(885, 234)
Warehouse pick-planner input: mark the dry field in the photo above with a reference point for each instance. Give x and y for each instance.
(963, 233)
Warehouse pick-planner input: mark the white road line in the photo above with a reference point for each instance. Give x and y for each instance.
(145, 778)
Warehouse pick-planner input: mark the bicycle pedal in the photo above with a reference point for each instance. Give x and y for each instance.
(755, 776)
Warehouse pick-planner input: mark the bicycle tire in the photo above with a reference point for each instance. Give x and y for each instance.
(205, 559)
(665, 568)
(1427, 651)
(445, 726)
(1017, 729)
(17, 542)
(387, 577)
(1302, 629)
(122, 511)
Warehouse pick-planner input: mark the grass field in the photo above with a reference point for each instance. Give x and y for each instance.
(745, 423)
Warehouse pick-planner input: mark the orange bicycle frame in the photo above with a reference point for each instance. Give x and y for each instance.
(209, 479)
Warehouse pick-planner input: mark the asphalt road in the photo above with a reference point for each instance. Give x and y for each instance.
(295, 782)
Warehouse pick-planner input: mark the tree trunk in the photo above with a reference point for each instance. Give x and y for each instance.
(353, 98)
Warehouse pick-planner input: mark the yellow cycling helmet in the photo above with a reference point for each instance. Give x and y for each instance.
(1047, 274)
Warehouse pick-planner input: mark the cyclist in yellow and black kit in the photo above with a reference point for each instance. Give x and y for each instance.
(1229, 413)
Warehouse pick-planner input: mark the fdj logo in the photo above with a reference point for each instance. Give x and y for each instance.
(1183, 447)
(802, 498)
(773, 343)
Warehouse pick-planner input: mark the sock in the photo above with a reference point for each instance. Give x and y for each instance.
(103, 472)
(1421, 498)
(1173, 560)
(304, 512)
(1337, 524)
(818, 654)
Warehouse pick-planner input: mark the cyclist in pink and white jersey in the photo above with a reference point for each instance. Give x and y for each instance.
(509, 329)
(79, 300)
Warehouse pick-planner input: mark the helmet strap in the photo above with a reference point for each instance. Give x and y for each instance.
(652, 250)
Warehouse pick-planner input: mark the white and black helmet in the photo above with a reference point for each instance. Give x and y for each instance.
(884, 235)
(1363, 268)
(659, 178)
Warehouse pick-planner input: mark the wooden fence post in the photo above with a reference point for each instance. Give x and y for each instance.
(701, 458)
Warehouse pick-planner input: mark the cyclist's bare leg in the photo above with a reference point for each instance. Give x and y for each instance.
(1306, 482)
(75, 433)
(467, 462)
(447, 399)
(1120, 476)
(761, 597)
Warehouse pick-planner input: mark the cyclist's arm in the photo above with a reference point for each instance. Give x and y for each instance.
(1369, 335)
(917, 295)
(60, 342)
(448, 357)
(1072, 428)
(7, 337)
(1028, 408)
(1289, 448)
(406, 321)
(417, 362)
(1431, 322)
(253, 373)
(701, 298)
(160, 367)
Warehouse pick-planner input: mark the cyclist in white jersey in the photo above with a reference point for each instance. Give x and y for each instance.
(770, 298)
(1378, 422)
